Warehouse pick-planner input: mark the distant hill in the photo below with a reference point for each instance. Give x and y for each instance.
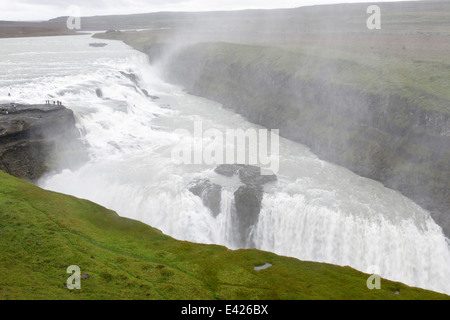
(337, 18)
(12, 29)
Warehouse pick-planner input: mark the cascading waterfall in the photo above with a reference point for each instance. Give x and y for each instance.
(227, 230)
(315, 211)
(401, 250)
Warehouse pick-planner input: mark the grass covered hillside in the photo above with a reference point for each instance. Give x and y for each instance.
(42, 233)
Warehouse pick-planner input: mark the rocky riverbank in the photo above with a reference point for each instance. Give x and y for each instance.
(35, 139)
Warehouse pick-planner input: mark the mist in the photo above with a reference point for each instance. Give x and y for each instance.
(359, 99)
(323, 64)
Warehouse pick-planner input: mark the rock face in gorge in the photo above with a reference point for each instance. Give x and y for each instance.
(247, 197)
(346, 112)
(35, 139)
(209, 192)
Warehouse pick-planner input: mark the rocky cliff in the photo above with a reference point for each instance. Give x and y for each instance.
(247, 197)
(35, 139)
(360, 116)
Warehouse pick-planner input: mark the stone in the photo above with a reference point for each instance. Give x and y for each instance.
(99, 92)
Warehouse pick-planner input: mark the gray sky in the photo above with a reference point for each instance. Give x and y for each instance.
(47, 9)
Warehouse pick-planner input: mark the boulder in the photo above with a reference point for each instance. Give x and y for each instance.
(99, 92)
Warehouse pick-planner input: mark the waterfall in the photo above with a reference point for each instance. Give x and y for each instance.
(401, 250)
(316, 211)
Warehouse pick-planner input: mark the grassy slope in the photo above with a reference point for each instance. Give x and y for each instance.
(42, 232)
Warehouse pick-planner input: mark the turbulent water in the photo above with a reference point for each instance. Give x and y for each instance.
(315, 211)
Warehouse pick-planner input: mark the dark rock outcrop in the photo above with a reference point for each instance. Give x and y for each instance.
(99, 92)
(247, 198)
(135, 80)
(35, 139)
(251, 175)
(209, 192)
(149, 95)
(98, 44)
(131, 76)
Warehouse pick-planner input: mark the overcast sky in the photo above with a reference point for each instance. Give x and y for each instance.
(47, 9)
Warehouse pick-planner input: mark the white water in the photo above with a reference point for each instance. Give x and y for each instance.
(316, 211)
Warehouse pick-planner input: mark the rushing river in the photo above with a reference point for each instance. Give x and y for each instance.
(316, 211)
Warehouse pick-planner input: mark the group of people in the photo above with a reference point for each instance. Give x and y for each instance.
(57, 102)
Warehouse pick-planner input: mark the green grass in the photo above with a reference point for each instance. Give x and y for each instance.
(42, 233)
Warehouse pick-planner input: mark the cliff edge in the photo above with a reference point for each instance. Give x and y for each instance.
(38, 138)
